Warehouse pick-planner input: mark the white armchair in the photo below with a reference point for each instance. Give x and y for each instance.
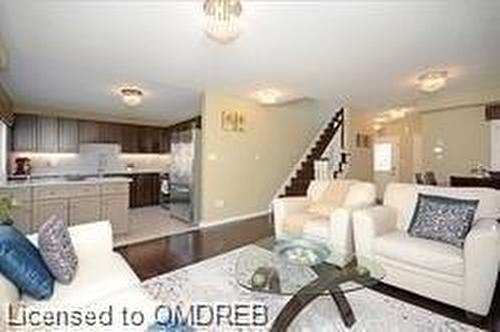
(464, 278)
(325, 213)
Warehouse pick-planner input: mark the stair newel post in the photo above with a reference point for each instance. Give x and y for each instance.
(342, 128)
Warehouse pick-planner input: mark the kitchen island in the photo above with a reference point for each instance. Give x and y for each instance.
(74, 200)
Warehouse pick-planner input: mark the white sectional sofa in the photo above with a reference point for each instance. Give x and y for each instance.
(463, 277)
(335, 228)
(103, 278)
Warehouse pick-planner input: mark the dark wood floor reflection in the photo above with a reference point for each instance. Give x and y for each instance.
(152, 258)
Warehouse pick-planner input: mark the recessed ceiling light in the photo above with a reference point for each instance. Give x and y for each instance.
(131, 96)
(268, 96)
(432, 81)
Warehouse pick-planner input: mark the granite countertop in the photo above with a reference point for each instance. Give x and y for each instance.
(61, 181)
(111, 173)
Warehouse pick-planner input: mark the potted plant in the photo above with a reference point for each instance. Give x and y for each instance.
(7, 206)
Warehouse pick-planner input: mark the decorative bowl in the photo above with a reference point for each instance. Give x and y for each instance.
(301, 251)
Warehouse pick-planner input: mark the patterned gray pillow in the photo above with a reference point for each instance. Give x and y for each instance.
(443, 219)
(56, 248)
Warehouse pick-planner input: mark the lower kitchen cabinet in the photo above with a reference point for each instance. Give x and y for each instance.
(22, 217)
(145, 190)
(84, 209)
(115, 209)
(23, 209)
(43, 210)
(74, 204)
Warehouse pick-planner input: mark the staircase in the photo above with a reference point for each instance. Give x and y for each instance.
(306, 172)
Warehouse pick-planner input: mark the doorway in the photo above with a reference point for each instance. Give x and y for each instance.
(385, 162)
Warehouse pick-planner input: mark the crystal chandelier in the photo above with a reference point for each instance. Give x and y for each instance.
(222, 19)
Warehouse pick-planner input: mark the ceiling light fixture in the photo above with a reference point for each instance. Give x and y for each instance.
(432, 81)
(222, 19)
(398, 113)
(268, 96)
(131, 96)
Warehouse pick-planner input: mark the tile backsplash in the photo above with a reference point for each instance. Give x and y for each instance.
(91, 159)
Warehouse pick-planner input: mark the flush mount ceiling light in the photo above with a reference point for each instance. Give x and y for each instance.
(398, 113)
(222, 19)
(131, 96)
(432, 81)
(268, 96)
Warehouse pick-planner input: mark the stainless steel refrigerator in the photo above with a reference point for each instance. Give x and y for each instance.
(184, 174)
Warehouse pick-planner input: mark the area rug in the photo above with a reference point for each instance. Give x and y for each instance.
(213, 282)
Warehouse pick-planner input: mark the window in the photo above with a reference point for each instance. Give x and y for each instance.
(382, 157)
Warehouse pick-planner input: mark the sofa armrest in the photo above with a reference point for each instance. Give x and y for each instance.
(341, 234)
(369, 224)
(481, 266)
(283, 207)
(93, 239)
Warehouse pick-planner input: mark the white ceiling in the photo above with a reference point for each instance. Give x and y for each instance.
(363, 54)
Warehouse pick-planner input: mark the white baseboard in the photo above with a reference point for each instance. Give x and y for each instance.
(207, 224)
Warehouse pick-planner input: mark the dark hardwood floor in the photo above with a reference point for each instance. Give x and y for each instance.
(152, 258)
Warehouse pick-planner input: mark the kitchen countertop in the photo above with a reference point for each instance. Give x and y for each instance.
(61, 181)
(61, 175)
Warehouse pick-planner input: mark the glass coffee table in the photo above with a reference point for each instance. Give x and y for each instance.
(304, 269)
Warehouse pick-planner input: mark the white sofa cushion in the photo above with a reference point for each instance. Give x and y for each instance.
(403, 198)
(96, 276)
(426, 254)
(332, 197)
(297, 224)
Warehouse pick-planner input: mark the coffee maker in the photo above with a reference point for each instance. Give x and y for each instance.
(23, 166)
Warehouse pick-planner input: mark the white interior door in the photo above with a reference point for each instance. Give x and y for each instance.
(385, 162)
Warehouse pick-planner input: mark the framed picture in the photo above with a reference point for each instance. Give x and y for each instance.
(232, 121)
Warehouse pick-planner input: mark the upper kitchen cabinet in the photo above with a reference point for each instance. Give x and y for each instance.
(88, 132)
(149, 139)
(165, 141)
(68, 135)
(110, 133)
(130, 138)
(47, 134)
(24, 133)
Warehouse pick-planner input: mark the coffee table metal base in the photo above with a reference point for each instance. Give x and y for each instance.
(310, 292)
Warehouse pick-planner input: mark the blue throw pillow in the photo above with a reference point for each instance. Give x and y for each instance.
(22, 264)
(443, 219)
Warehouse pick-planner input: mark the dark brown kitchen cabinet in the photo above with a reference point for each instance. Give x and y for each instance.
(145, 190)
(110, 133)
(47, 134)
(130, 138)
(149, 140)
(24, 133)
(165, 141)
(88, 132)
(68, 135)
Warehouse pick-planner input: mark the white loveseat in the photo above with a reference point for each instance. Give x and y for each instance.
(292, 215)
(103, 278)
(464, 278)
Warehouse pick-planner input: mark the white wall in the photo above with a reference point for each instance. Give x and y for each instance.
(464, 136)
(241, 171)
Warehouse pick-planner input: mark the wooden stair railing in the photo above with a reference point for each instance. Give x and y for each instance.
(305, 174)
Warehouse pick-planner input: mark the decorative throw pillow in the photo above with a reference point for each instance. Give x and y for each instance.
(443, 219)
(22, 264)
(57, 250)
